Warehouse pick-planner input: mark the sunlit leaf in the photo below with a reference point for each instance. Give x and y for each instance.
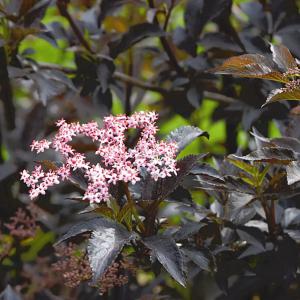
(283, 57)
(250, 169)
(9, 294)
(293, 172)
(283, 94)
(251, 66)
(291, 216)
(115, 23)
(85, 226)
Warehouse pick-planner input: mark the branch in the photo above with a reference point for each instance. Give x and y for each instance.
(148, 86)
(166, 46)
(139, 83)
(169, 15)
(220, 97)
(62, 6)
(144, 85)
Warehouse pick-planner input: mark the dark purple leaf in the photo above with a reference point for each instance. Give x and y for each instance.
(168, 254)
(105, 244)
(7, 169)
(187, 229)
(256, 14)
(135, 34)
(252, 235)
(199, 12)
(105, 70)
(219, 40)
(269, 154)
(184, 135)
(199, 257)
(160, 189)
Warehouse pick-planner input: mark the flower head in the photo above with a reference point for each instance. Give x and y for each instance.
(117, 162)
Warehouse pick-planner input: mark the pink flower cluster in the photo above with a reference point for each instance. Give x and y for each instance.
(116, 161)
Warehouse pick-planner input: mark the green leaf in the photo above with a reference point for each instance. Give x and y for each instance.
(261, 176)
(125, 214)
(39, 242)
(168, 254)
(250, 169)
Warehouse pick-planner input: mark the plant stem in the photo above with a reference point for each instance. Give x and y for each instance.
(144, 85)
(166, 46)
(128, 90)
(270, 217)
(133, 208)
(169, 15)
(62, 7)
(150, 218)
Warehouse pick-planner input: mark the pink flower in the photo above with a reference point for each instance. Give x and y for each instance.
(118, 163)
(77, 161)
(40, 146)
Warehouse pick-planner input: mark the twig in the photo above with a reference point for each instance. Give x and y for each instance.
(220, 98)
(166, 46)
(134, 212)
(148, 86)
(144, 85)
(128, 90)
(139, 83)
(169, 15)
(62, 7)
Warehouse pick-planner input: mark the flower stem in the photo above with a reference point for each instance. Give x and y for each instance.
(133, 208)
